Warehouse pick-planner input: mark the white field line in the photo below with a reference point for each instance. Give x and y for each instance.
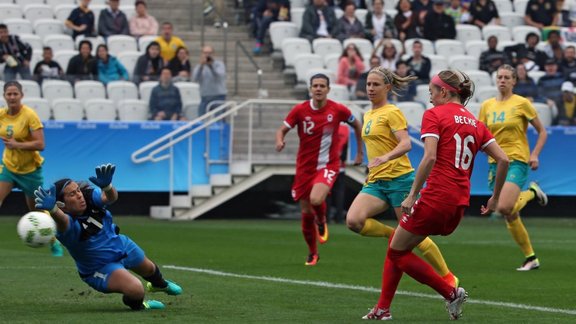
(369, 289)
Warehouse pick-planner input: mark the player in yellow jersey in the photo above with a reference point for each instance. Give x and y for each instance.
(390, 176)
(507, 116)
(23, 137)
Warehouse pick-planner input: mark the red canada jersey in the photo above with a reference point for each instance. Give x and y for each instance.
(460, 136)
(318, 133)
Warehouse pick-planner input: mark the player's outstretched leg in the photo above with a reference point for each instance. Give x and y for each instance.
(157, 283)
(56, 248)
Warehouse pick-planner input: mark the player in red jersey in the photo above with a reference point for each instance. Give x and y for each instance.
(452, 136)
(318, 160)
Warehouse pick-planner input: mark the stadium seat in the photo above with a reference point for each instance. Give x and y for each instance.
(438, 63)
(520, 32)
(34, 12)
(88, 89)
(144, 41)
(24, 3)
(544, 113)
(476, 47)
(389, 5)
(474, 108)
(133, 110)
(463, 62)
(129, 59)
(331, 62)
(326, 46)
(33, 40)
(40, 105)
(503, 44)
(511, 19)
(2, 102)
(10, 10)
(309, 73)
(365, 46)
(30, 88)
(121, 43)
(422, 93)
(95, 41)
(413, 111)
(145, 89)
(62, 11)
(121, 90)
(298, 3)
(448, 47)
(55, 3)
(100, 110)
(480, 78)
(339, 92)
(56, 89)
(361, 15)
(501, 32)
(304, 62)
(390, 12)
(484, 92)
(67, 110)
(427, 46)
(18, 26)
(190, 93)
(59, 42)
(296, 15)
(36, 57)
(128, 10)
(97, 7)
(45, 27)
(292, 47)
(280, 30)
(536, 74)
(520, 6)
(466, 33)
(63, 57)
(503, 6)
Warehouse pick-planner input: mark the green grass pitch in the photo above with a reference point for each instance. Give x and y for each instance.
(253, 271)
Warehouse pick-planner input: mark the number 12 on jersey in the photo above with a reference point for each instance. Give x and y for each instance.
(464, 155)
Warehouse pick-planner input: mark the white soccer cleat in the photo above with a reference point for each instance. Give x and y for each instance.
(454, 307)
(541, 196)
(378, 314)
(528, 265)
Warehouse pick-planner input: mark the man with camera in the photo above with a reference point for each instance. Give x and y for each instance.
(211, 76)
(16, 54)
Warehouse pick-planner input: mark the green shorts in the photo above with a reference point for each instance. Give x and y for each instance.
(517, 173)
(391, 191)
(26, 182)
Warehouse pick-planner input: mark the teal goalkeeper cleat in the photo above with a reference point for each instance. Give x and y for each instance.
(56, 249)
(153, 304)
(172, 288)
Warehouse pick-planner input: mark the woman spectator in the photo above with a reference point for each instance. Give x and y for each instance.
(109, 68)
(389, 55)
(180, 65)
(350, 67)
(378, 24)
(142, 23)
(149, 65)
(406, 21)
(348, 25)
(484, 12)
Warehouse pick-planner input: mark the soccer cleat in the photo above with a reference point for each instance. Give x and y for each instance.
(452, 280)
(171, 289)
(56, 249)
(153, 304)
(312, 259)
(454, 306)
(531, 263)
(322, 232)
(541, 196)
(378, 314)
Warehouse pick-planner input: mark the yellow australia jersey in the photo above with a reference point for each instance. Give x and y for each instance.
(507, 121)
(20, 127)
(168, 49)
(378, 130)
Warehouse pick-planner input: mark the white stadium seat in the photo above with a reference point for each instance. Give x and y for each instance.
(482, 93)
(45, 27)
(474, 108)
(67, 110)
(100, 110)
(448, 47)
(438, 63)
(503, 6)
(427, 46)
(292, 47)
(365, 46)
(339, 92)
(34, 12)
(413, 111)
(24, 3)
(33, 40)
(129, 59)
(480, 78)
(466, 33)
(88, 89)
(121, 90)
(501, 32)
(536, 75)
(62, 11)
(298, 3)
(144, 41)
(59, 42)
(121, 43)
(422, 93)
(544, 113)
(128, 10)
(476, 47)
(55, 3)
(520, 32)
(520, 6)
(327, 46)
(56, 89)
(331, 62)
(10, 10)
(361, 15)
(133, 110)
(145, 89)
(280, 30)
(304, 62)
(63, 57)
(30, 89)
(190, 93)
(18, 26)
(296, 14)
(40, 105)
(511, 19)
(463, 62)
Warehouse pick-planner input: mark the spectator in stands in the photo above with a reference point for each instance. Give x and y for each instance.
(421, 9)
(419, 64)
(457, 11)
(553, 48)
(348, 25)
(550, 84)
(142, 23)
(350, 66)
(149, 64)
(389, 55)
(379, 24)
(525, 85)
(180, 65)
(566, 116)
(403, 94)
(82, 66)
(437, 24)
(527, 53)
(112, 21)
(568, 13)
(264, 13)
(16, 54)
(109, 68)
(318, 20)
(492, 58)
(165, 99)
(81, 20)
(211, 76)
(168, 42)
(360, 92)
(568, 64)
(47, 68)
(540, 13)
(406, 21)
(484, 12)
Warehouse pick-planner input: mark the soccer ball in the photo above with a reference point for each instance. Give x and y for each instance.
(36, 229)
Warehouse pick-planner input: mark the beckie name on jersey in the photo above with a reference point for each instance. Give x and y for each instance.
(464, 120)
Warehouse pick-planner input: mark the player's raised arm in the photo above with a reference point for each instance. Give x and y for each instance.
(46, 200)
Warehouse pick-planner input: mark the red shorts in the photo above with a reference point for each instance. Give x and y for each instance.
(432, 218)
(303, 182)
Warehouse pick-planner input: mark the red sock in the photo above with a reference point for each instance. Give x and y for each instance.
(309, 231)
(320, 211)
(390, 278)
(420, 270)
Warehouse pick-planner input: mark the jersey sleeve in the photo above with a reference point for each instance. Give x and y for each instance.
(528, 110)
(430, 125)
(35, 122)
(292, 119)
(485, 136)
(397, 121)
(346, 114)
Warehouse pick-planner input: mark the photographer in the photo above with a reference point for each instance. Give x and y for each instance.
(16, 54)
(211, 76)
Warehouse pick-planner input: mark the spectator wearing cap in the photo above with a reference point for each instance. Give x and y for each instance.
(484, 12)
(550, 84)
(527, 53)
(16, 54)
(437, 24)
(492, 58)
(142, 23)
(81, 20)
(566, 114)
(112, 21)
(541, 13)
